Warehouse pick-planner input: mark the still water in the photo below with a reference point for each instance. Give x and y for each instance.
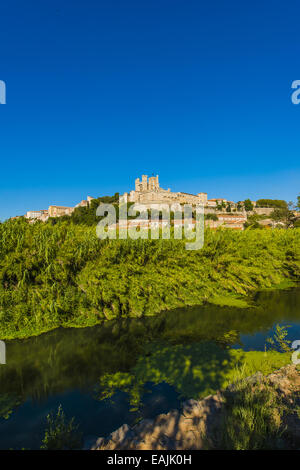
(67, 366)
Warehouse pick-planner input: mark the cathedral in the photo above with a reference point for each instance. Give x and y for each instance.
(147, 191)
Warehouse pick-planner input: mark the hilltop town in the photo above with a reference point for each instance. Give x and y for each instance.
(55, 211)
(147, 192)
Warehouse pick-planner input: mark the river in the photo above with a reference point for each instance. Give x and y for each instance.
(66, 366)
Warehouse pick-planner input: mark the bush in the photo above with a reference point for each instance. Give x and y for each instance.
(276, 203)
(60, 434)
(211, 217)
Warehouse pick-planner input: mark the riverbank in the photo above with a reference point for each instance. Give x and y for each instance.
(63, 276)
(255, 413)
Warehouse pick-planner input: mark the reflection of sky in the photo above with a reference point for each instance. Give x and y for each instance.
(96, 418)
(258, 340)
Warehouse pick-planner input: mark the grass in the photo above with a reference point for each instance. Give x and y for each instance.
(63, 275)
(253, 419)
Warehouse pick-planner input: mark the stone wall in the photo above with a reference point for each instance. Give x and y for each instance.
(263, 210)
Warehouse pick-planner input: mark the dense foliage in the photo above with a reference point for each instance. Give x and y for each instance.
(248, 206)
(276, 203)
(63, 275)
(87, 214)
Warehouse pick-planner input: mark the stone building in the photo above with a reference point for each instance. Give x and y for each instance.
(58, 211)
(85, 202)
(33, 214)
(41, 214)
(147, 191)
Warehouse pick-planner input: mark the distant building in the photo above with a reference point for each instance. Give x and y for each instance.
(33, 214)
(85, 202)
(148, 191)
(59, 211)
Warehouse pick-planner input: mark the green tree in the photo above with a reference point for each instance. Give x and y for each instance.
(276, 203)
(221, 205)
(285, 216)
(248, 205)
(211, 217)
(253, 222)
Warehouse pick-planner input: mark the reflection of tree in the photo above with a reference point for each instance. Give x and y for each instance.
(229, 338)
(194, 370)
(65, 359)
(7, 404)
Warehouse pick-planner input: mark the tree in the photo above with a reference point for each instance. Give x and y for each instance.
(298, 203)
(297, 223)
(248, 205)
(221, 205)
(211, 217)
(253, 221)
(284, 216)
(276, 203)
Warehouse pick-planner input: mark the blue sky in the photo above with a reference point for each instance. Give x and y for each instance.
(99, 92)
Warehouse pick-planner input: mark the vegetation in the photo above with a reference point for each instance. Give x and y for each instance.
(253, 418)
(211, 216)
(7, 404)
(220, 205)
(68, 359)
(285, 216)
(248, 205)
(63, 275)
(279, 341)
(253, 221)
(194, 370)
(61, 434)
(86, 215)
(276, 203)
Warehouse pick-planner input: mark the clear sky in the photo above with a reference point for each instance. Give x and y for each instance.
(101, 91)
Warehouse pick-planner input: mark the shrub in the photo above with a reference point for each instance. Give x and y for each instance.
(61, 434)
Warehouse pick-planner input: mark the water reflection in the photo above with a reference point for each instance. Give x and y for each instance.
(63, 366)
